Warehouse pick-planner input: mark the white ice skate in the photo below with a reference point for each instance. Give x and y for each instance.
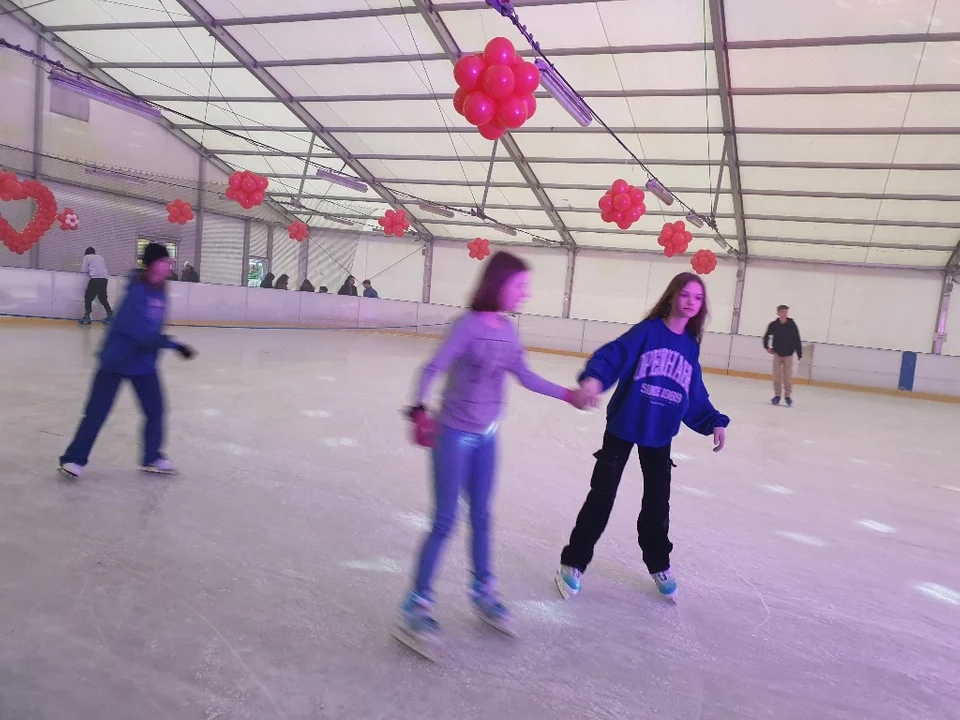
(71, 470)
(416, 628)
(487, 606)
(160, 466)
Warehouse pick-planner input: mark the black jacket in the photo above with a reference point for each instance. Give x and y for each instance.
(786, 338)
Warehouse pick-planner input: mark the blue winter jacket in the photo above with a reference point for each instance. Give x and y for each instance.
(136, 334)
(659, 385)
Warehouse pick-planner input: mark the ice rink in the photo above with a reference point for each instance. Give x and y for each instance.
(817, 555)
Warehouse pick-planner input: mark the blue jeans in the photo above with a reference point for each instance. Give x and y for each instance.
(103, 393)
(461, 461)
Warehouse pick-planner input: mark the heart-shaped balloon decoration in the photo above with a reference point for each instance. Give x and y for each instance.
(46, 214)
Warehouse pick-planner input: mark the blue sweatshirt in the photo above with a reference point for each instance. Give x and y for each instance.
(136, 335)
(660, 385)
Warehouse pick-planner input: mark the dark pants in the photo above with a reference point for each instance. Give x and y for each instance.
(96, 288)
(654, 522)
(103, 392)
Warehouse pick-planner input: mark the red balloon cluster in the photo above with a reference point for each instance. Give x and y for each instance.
(298, 231)
(704, 262)
(496, 88)
(674, 237)
(622, 204)
(479, 248)
(68, 220)
(12, 189)
(247, 189)
(394, 222)
(181, 212)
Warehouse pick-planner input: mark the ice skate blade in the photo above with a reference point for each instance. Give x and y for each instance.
(506, 628)
(565, 592)
(426, 650)
(67, 474)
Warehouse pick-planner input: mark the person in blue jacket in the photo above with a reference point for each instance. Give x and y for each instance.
(130, 351)
(656, 367)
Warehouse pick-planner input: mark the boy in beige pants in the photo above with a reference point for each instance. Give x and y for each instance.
(786, 341)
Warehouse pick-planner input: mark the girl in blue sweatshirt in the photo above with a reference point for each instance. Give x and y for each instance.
(130, 351)
(656, 367)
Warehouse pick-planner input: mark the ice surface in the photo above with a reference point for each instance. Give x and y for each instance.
(817, 556)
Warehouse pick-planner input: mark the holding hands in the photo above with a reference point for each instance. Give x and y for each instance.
(586, 395)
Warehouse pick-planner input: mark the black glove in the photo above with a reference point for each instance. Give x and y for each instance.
(186, 352)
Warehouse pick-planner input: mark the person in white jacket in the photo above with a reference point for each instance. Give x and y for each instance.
(95, 267)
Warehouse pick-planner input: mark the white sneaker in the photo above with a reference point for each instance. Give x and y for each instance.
(71, 470)
(160, 466)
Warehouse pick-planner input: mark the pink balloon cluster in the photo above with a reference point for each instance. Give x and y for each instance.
(622, 204)
(247, 188)
(394, 222)
(703, 262)
(479, 248)
(496, 88)
(68, 220)
(180, 212)
(298, 231)
(674, 238)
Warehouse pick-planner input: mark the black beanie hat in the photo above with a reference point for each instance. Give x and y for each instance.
(153, 252)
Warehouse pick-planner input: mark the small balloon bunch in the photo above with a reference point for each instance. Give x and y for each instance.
(180, 212)
(674, 238)
(394, 222)
(495, 88)
(479, 248)
(704, 262)
(622, 204)
(247, 188)
(298, 231)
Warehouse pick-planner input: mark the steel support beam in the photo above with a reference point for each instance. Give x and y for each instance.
(452, 50)
(588, 94)
(953, 264)
(719, 23)
(299, 17)
(37, 159)
(427, 97)
(245, 264)
(269, 248)
(770, 164)
(568, 282)
(940, 330)
(592, 130)
(198, 240)
(738, 297)
(427, 271)
(236, 49)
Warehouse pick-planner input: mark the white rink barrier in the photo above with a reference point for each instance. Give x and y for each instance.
(59, 295)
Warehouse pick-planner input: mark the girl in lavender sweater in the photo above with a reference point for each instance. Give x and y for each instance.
(477, 353)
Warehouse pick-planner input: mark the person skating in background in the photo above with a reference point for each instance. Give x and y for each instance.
(786, 341)
(267, 281)
(95, 268)
(481, 347)
(349, 287)
(130, 352)
(368, 291)
(323, 290)
(656, 367)
(282, 282)
(189, 274)
(306, 286)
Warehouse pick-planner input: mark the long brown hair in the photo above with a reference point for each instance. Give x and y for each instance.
(500, 268)
(665, 304)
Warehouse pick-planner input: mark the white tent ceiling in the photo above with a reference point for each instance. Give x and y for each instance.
(838, 117)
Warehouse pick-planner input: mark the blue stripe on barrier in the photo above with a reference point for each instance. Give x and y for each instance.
(908, 370)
